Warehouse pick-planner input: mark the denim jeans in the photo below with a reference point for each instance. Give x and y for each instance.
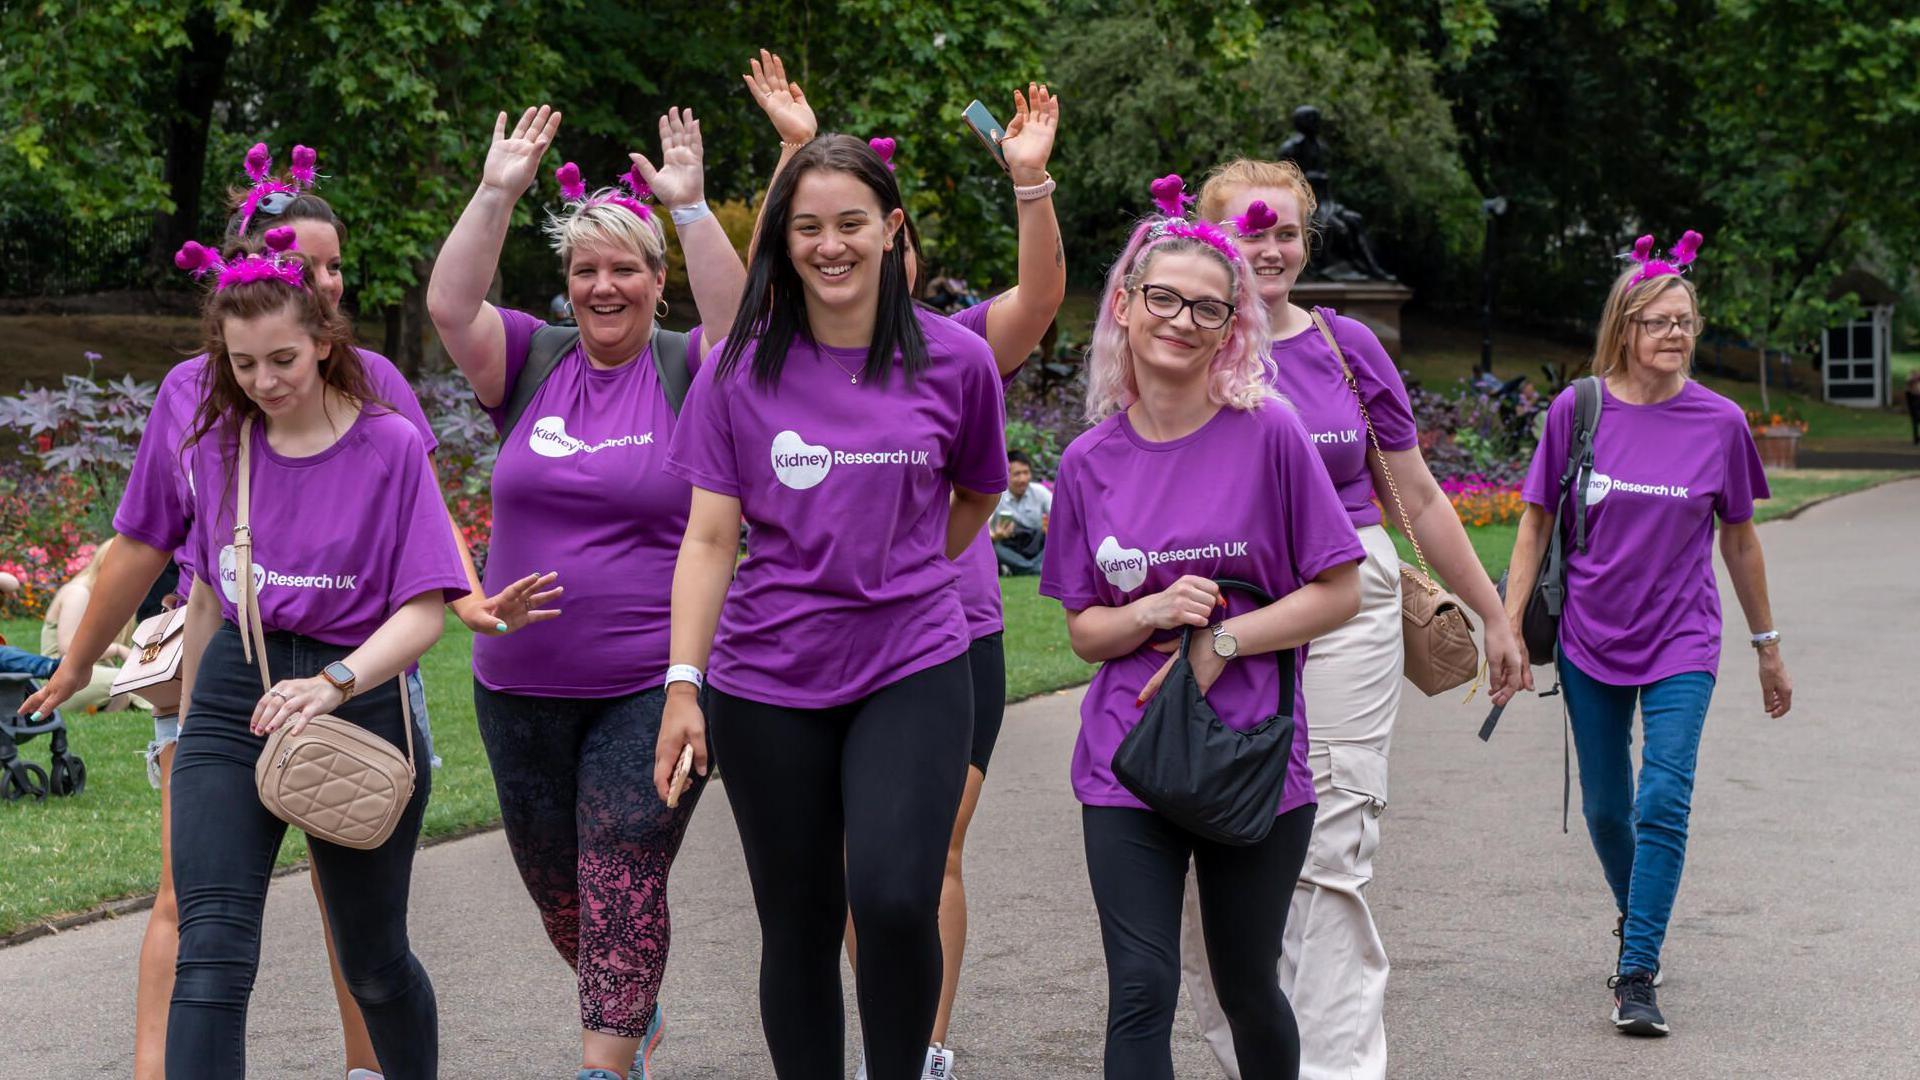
(224, 842)
(1641, 839)
(21, 662)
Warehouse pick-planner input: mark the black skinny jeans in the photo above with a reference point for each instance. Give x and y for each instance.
(880, 780)
(224, 843)
(1137, 861)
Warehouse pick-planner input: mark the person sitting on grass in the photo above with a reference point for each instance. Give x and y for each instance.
(1020, 523)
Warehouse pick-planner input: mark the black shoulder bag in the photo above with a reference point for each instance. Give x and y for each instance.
(550, 343)
(1197, 772)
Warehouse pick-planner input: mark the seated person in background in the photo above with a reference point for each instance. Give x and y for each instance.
(62, 621)
(19, 661)
(1019, 526)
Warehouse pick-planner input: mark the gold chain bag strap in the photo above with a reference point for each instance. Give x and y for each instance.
(1438, 636)
(335, 780)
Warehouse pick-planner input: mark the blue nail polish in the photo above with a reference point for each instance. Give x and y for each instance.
(501, 627)
(35, 718)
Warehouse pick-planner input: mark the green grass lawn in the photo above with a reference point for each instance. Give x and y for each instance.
(67, 855)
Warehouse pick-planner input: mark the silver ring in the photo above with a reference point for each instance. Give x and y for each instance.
(277, 692)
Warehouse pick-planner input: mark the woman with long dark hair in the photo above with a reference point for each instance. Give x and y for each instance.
(861, 439)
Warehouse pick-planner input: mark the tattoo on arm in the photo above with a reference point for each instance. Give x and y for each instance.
(1059, 251)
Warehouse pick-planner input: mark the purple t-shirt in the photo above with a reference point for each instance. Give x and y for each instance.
(846, 587)
(1642, 603)
(979, 568)
(159, 459)
(1309, 375)
(341, 539)
(1243, 497)
(579, 488)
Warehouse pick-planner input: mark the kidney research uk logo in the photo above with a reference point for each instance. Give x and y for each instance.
(263, 577)
(800, 464)
(549, 438)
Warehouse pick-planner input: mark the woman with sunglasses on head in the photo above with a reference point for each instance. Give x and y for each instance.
(861, 438)
(1012, 323)
(269, 201)
(1334, 969)
(1194, 471)
(353, 557)
(569, 711)
(1641, 618)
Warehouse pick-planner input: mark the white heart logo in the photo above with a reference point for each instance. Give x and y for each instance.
(1598, 484)
(230, 575)
(798, 463)
(1125, 568)
(549, 438)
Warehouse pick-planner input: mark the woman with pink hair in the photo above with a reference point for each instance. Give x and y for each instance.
(1195, 470)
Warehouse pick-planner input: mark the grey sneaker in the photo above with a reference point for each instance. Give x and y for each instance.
(1635, 1011)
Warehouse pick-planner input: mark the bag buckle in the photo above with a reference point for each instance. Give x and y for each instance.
(151, 653)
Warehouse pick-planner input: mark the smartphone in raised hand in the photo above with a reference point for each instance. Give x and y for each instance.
(989, 130)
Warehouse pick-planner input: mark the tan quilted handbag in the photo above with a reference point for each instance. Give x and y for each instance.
(335, 780)
(1437, 635)
(153, 671)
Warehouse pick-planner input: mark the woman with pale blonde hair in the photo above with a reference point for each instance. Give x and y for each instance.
(1641, 618)
(569, 709)
(62, 622)
(1334, 968)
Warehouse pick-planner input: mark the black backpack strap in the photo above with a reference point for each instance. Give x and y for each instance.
(1580, 451)
(670, 348)
(544, 351)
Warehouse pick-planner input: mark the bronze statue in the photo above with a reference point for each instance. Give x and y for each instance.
(1340, 248)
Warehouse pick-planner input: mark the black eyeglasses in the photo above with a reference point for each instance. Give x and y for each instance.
(1208, 314)
(1661, 326)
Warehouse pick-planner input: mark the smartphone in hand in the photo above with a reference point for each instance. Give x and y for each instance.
(988, 129)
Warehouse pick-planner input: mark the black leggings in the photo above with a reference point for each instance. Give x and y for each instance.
(880, 779)
(591, 837)
(1137, 861)
(224, 843)
(987, 663)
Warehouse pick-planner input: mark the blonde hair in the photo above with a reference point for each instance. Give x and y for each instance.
(607, 225)
(91, 572)
(1614, 346)
(1242, 173)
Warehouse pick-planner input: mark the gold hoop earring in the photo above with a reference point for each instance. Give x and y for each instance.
(660, 309)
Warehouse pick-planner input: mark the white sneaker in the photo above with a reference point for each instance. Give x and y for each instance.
(939, 1063)
(363, 1074)
(861, 1072)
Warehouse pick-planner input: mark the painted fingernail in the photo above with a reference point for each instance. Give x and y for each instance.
(35, 718)
(500, 627)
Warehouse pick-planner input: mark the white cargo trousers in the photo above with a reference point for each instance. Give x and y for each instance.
(1333, 968)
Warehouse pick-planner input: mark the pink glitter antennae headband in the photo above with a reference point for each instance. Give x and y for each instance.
(1258, 219)
(573, 189)
(279, 263)
(1170, 195)
(258, 165)
(1680, 256)
(884, 146)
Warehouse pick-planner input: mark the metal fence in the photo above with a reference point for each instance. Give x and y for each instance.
(49, 256)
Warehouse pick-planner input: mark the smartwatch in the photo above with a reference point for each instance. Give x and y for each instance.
(341, 676)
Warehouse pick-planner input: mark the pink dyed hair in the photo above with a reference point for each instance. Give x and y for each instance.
(1241, 373)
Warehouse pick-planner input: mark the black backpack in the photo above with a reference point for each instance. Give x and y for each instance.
(1540, 621)
(550, 343)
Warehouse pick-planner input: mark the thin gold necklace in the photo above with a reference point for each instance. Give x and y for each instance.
(852, 376)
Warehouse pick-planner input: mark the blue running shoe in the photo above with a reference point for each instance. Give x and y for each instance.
(656, 1030)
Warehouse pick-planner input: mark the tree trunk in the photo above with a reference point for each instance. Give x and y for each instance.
(198, 80)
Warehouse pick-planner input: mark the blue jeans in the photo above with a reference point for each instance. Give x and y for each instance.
(21, 662)
(1641, 841)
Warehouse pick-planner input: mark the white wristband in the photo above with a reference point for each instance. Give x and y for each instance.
(686, 673)
(1766, 638)
(1038, 191)
(690, 213)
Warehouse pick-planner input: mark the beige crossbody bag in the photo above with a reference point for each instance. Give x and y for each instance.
(335, 781)
(153, 671)
(1439, 648)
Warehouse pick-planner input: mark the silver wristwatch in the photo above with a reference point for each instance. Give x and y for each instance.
(1225, 645)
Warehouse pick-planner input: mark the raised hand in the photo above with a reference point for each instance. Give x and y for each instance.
(782, 101)
(514, 160)
(681, 178)
(1028, 141)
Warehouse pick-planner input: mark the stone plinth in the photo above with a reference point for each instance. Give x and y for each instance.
(1375, 303)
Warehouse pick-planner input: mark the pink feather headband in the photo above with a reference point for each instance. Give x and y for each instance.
(1170, 195)
(1682, 254)
(259, 168)
(280, 262)
(884, 146)
(574, 190)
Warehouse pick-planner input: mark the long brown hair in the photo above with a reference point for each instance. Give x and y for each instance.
(222, 401)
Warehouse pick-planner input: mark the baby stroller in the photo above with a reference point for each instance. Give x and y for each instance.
(65, 774)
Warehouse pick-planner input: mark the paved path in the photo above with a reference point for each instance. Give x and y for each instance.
(1795, 950)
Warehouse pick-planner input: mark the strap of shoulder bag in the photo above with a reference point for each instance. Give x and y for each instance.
(550, 343)
(670, 348)
(1393, 489)
(253, 636)
(1287, 658)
